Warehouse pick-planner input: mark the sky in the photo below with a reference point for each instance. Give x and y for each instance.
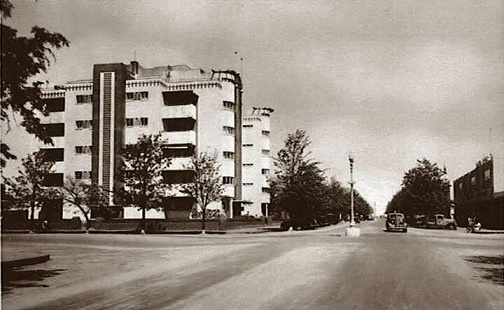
(387, 81)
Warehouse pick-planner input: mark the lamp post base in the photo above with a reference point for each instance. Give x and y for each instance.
(352, 232)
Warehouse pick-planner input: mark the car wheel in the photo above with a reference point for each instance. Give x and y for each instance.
(452, 227)
(284, 226)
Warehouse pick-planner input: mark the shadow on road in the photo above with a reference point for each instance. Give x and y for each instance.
(16, 278)
(393, 231)
(494, 272)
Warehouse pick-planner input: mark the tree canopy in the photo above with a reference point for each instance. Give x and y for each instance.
(28, 188)
(84, 196)
(299, 185)
(141, 173)
(22, 59)
(205, 186)
(425, 189)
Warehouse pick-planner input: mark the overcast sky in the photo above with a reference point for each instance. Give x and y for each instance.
(389, 81)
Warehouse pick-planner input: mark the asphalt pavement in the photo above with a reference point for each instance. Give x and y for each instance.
(312, 269)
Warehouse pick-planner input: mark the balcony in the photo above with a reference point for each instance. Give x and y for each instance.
(178, 124)
(178, 176)
(179, 150)
(173, 98)
(178, 112)
(179, 163)
(179, 137)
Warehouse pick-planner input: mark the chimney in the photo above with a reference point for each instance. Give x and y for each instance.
(134, 67)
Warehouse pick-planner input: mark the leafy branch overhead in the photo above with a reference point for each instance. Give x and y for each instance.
(23, 58)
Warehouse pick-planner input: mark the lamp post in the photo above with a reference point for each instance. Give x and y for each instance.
(351, 160)
(352, 231)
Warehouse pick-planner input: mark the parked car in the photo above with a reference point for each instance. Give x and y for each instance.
(440, 221)
(395, 222)
(297, 223)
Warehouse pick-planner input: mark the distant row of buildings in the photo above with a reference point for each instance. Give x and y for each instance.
(91, 120)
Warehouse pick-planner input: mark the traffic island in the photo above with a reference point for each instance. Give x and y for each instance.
(352, 231)
(23, 260)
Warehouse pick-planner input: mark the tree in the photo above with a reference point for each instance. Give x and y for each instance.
(83, 196)
(396, 203)
(337, 198)
(300, 187)
(141, 174)
(425, 189)
(28, 188)
(206, 185)
(22, 59)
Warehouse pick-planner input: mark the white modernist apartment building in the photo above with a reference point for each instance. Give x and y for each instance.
(256, 161)
(195, 111)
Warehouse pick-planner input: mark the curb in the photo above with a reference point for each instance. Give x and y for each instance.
(25, 261)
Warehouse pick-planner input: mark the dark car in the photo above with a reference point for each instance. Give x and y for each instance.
(395, 222)
(297, 224)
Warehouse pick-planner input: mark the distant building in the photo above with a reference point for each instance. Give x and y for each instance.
(92, 120)
(474, 195)
(256, 162)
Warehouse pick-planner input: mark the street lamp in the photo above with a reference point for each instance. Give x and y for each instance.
(352, 231)
(351, 160)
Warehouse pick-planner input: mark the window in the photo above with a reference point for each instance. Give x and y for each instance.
(178, 176)
(228, 130)
(228, 105)
(84, 98)
(53, 179)
(460, 185)
(487, 174)
(248, 145)
(53, 154)
(265, 189)
(86, 149)
(84, 124)
(265, 171)
(82, 175)
(265, 152)
(141, 95)
(137, 121)
(229, 155)
(227, 180)
(265, 133)
(248, 165)
(55, 104)
(248, 126)
(248, 184)
(55, 130)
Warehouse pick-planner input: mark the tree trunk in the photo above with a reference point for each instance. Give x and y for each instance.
(203, 227)
(32, 216)
(144, 224)
(88, 224)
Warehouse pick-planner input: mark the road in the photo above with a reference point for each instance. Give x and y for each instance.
(316, 269)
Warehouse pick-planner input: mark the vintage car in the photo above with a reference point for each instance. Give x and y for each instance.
(440, 221)
(395, 222)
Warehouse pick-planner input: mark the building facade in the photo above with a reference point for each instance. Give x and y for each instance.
(256, 162)
(193, 110)
(474, 195)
